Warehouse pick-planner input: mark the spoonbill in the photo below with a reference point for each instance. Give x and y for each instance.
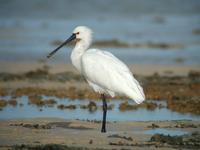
(104, 72)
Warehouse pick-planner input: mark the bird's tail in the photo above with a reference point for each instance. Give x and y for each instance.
(137, 93)
(138, 98)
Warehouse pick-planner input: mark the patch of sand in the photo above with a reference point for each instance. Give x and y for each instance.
(140, 69)
(66, 132)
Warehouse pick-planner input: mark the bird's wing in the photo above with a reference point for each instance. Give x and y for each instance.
(107, 71)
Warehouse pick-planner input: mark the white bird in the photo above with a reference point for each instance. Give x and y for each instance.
(104, 72)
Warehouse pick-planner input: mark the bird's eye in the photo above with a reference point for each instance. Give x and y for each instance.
(77, 33)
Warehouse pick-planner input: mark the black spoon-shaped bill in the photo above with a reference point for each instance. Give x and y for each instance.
(71, 38)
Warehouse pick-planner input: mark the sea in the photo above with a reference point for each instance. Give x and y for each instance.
(29, 29)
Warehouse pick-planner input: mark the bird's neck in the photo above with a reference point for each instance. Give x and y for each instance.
(80, 48)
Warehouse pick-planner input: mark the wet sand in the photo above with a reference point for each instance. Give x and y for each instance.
(177, 85)
(86, 134)
(140, 69)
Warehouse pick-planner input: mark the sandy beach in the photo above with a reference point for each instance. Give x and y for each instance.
(140, 69)
(76, 134)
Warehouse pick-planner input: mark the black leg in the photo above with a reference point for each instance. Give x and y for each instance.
(103, 129)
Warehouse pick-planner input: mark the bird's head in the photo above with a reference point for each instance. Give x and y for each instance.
(83, 33)
(80, 34)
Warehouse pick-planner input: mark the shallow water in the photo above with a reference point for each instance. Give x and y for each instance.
(27, 29)
(32, 111)
(170, 132)
(31, 42)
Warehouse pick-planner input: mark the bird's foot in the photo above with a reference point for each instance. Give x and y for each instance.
(103, 130)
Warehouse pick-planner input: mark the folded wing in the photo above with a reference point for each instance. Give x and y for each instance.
(107, 73)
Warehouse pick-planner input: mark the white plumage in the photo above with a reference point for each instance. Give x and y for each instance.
(104, 72)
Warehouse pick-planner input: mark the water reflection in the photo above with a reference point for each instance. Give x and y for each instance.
(166, 132)
(25, 110)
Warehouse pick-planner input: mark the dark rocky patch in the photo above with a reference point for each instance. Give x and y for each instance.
(66, 125)
(40, 74)
(61, 106)
(50, 147)
(3, 103)
(121, 137)
(172, 140)
(191, 141)
(91, 141)
(38, 101)
(196, 31)
(32, 126)
(93, 121)
(185, 104)
(92, 106)
(3, 91)
(153, 126)
(186, 125)
(51, 125)
(126, 106)
(12, 102)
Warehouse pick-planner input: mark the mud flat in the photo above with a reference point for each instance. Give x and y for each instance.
(180, 91)
(141, 69)
(177, 86)
(76, 134)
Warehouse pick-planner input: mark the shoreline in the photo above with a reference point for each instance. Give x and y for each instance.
(179, 90)
(177, 85)
(139, 69)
